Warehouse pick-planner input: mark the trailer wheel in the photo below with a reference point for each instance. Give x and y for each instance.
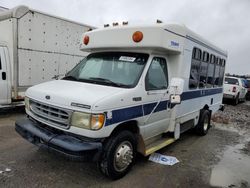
(119, 155)
(204, 123)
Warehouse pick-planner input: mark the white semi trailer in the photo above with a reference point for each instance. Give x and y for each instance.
(35, 47)
(3, 9)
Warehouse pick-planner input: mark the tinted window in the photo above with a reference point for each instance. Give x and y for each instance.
(231, 81)
(157, 78)
(216, 75)
(196, 54)
(222, 71)
(195, 69)
(203, 74)
(205, 57)
(219, 61)
(212, 58)
(0, 63)
(210, 75)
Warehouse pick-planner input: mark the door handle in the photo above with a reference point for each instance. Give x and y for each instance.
(4, 75)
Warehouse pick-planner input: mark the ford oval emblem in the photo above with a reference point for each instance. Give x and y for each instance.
(47, 97)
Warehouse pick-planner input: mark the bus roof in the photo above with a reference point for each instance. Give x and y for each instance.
(160, 36)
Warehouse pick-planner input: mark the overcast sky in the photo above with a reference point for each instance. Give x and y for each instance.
(226, 23)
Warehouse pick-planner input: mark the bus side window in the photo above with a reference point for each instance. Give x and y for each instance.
(203, 70)
(0, 63)
(210, 72)
(222, 71)
(195, 68)
(217, 72)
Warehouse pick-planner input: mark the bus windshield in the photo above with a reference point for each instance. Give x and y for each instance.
(118, 69)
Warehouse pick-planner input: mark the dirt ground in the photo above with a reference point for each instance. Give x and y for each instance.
(219, 159)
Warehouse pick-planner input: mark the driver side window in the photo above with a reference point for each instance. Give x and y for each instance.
(157, 76)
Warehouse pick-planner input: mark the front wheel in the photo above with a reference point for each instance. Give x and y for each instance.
(119, 155)
(204, 123)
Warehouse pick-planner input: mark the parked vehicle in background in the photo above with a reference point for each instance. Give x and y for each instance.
(34, 48)
(234, 89)
(138, 90)
(248, 89)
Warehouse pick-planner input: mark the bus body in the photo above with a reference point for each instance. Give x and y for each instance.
(137, 91)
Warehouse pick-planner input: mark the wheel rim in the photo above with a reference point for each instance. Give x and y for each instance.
(206, 120)
(123, 156)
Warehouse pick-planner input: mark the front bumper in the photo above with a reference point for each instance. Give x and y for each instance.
(57, 141)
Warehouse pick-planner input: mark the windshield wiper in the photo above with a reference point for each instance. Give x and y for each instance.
(107, 81)
(70, 78)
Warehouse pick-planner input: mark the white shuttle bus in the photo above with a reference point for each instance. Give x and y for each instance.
(136, 92)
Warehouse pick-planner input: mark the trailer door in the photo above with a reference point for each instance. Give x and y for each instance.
(3, 78)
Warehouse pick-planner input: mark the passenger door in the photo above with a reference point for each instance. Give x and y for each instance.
(156, 111)
(3, 78)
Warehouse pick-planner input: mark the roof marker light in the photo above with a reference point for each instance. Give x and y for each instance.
(137, 36)
(125, 23)
(86, 40)
(158, 21)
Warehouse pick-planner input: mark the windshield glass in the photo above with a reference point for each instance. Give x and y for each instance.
(118, 69)
(231, 81)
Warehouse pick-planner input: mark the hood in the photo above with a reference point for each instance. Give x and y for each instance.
(63, 93)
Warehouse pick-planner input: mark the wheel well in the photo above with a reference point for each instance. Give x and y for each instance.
(206, 107)
(131, 126)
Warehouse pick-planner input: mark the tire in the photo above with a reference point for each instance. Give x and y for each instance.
(236, 100)
(120, 146)
(245, 98)
(204, 123)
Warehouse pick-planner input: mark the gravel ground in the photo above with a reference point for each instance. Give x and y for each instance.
(219, 159)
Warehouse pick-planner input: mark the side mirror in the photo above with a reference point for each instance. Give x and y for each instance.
(175, 99)
(176, 89)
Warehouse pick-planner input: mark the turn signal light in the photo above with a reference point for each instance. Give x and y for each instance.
(86, 40)
(137, 36)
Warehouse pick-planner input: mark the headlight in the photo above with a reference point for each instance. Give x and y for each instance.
(87, 121)
(27, 103)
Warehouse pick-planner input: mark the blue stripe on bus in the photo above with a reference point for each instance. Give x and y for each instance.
(200, 93)
(125, 114)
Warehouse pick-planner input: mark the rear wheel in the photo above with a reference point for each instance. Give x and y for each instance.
(204, 123)
(236, 100)
(119, 155)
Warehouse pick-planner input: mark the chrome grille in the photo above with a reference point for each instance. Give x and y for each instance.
(49, 114)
